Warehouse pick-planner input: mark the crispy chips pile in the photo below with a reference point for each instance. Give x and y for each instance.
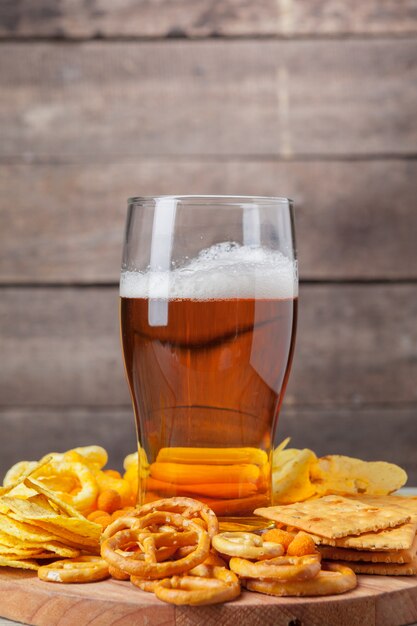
(35, 524)
(370, 534)
(298, 475)
(79, 478)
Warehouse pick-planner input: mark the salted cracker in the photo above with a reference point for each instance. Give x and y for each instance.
(335, 516)
(383, 569)
(370, 556)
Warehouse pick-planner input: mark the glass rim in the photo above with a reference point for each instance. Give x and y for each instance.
(213, 199)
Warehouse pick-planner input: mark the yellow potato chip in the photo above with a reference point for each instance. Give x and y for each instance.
(336, 474)
(61, 483)
(63, 506)
(93, 455)
(82, 532)
(19, 563)
(71, 539)
(23, 530)
(17, 471)
(291, 476)
(85, 497)
(23, 552)
(53, 547)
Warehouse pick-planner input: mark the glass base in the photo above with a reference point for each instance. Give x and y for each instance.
(247, 524)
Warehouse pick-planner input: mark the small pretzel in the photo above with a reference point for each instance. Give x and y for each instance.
(143, 583)
(246, 545)
(332, 579)
(141, 550)
(205, 568)
(198, 590)
(187, 507)
(83, 569)
(117, 573)
(283, 568)
(152, 569)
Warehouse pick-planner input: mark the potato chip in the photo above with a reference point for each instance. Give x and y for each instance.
(19, 563)
(61, 483)
(17, 471)
(63, 506)
(336, 474)
(86, 495)
(291, 476)
(93, 456)
(80, 531)
(18, 551)
(24, 531)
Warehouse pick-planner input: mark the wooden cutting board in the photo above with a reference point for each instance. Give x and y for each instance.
(378, 601)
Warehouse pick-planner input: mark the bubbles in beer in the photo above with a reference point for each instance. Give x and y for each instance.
(223, 271)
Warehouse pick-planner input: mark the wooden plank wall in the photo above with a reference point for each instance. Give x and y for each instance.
(314, 100)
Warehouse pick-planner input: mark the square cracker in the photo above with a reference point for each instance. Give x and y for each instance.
(383, 569)
(399, 538)
(335, 516)
(370, 556)
(409, 504)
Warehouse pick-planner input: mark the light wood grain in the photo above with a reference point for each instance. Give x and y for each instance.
(209, 98)
(112, 602)
(355, 345)
(202, 18)
(63, 222)
(373, 433)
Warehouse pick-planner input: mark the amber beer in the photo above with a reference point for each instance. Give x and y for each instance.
(207, 368)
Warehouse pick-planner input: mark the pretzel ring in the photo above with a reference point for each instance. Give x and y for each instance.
(165, 537)
(246, 545)
(117, 573)
(82, 569)
(152, 570)
(148, 554)
(332, 579)
(125, 522)
(187, 507)
(142, 583)
(283, 568)
(198, 590)
(205, 568)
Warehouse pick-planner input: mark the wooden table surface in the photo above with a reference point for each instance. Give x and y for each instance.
(377, 601)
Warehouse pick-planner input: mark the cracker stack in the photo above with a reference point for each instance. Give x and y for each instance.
(370, 534)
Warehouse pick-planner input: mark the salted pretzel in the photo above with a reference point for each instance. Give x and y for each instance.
(198, 590)
(189, 508)
(333, 578)
(82, 569)
(282, 568)
(246, 545)
(117, 573)
(205, 568)
(149, 567)
(143, 583)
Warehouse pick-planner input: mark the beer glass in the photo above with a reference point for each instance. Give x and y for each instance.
(208, 314)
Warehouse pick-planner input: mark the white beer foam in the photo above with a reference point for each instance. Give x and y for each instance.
(224, 271)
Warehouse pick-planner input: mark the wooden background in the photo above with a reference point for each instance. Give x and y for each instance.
(313, 99)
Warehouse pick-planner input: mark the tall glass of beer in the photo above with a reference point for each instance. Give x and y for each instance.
(208, 297)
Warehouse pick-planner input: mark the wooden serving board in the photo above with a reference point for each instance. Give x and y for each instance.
(378, 601)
